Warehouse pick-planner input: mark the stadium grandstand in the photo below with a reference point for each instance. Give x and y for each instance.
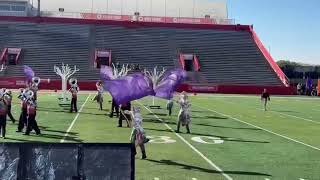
(219, 55)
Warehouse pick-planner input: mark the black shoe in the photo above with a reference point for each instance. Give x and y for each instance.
(188, 132)
(177, 131)
(13, 121)
(146, 140)
(144, 156)
(119, 126)
(18, 131)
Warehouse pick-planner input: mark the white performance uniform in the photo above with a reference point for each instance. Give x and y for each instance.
(184, 114)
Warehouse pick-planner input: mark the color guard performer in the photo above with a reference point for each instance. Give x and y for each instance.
(138, 135)
(184, 116)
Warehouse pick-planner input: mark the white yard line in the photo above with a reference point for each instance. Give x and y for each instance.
(269, 131)
(284, 114)
(74, 120)
(205, 96)
(192, 147)
(297, 117)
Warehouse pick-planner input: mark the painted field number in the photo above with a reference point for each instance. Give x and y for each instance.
(161, 139)
(207, 140)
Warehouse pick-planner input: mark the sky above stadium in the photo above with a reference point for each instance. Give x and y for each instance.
(289, 28)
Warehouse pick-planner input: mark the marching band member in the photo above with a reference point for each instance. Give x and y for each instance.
(138, 135)
(184, 116)
(8, 99)
(31, 118)
(35, 87)
(3, 115)
(74, 93)
(23, 116)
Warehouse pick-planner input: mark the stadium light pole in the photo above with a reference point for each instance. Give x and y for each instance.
(150, 7)
(91, 6)
(121, 7)
(165, 8)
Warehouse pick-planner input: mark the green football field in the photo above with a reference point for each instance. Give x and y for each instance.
(231, 136)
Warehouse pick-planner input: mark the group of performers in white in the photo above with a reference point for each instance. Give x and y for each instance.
(132, 116)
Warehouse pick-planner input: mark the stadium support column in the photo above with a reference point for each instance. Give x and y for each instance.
(39, 10)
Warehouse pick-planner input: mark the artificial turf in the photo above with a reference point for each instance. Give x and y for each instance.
(239, 139)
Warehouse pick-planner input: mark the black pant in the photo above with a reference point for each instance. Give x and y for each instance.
(10, 115)
(3, 123)
(74, 105)
(115, 108)
(170, 111)
(22, 119)
(125, 117)
(32, 124)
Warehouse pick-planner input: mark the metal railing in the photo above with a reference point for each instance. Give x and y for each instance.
(156, 19)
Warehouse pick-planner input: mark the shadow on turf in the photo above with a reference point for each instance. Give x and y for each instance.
(157, 121)
(222, 137)
(158, 114)
(208, 125)
(208, 117)
(191, 167)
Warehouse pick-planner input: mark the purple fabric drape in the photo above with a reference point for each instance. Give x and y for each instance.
(169, 83)
(129, 88)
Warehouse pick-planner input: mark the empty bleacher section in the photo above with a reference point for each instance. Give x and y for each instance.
(46, 45)
(227, 56)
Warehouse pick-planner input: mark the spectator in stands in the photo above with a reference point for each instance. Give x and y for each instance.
(299, 89)
(265, 97)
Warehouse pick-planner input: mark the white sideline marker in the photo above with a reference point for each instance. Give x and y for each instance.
(194, 179)
(156, 178)
(74, 120)
(192, 147)
(236, 119)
